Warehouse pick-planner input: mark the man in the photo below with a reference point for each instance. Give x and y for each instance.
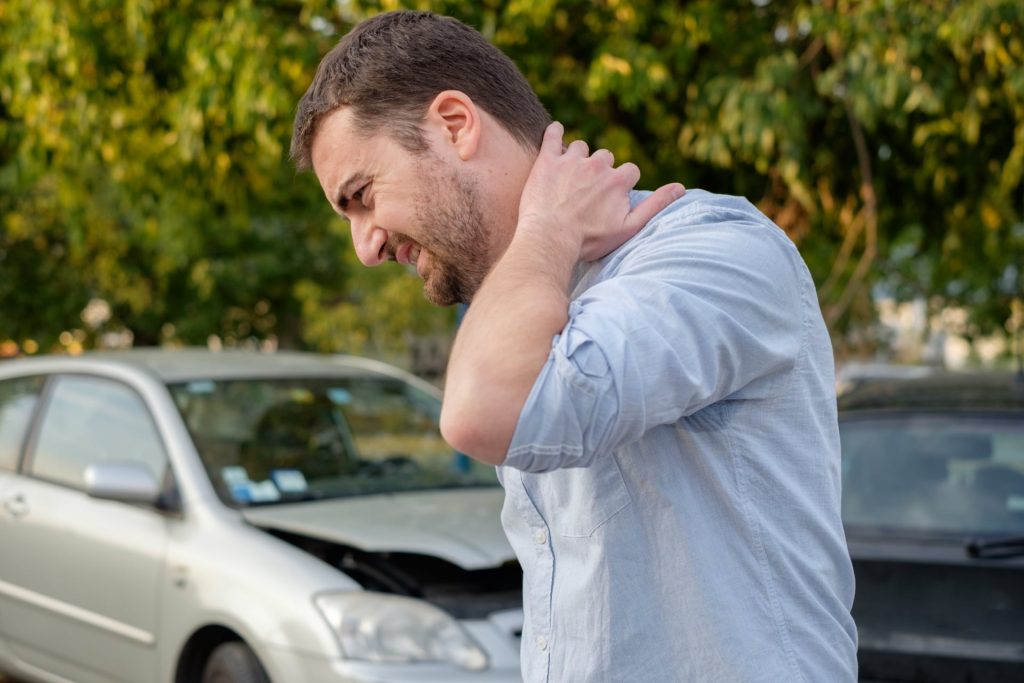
(649, 371)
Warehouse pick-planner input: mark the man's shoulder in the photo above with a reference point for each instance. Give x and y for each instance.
(702, 208)
(700, 225)
(704, 221)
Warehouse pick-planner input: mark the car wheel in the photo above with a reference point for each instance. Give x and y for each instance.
(234, 662)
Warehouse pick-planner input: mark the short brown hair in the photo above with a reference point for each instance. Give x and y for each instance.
(389, 69)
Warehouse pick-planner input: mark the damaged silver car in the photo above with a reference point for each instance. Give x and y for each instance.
(181, 516)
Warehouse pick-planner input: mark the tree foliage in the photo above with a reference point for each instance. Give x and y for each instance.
(142, 151)
(143, 162)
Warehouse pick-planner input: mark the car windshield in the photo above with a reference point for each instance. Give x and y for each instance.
(271, 441)
(952, 473)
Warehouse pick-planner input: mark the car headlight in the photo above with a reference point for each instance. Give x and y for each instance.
(377, 627)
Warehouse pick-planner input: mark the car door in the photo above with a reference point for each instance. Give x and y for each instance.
(18, 399)
(81, 576)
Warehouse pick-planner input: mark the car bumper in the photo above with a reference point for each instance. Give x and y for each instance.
(289, 665)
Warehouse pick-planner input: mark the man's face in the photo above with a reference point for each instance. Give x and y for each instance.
(415, 209)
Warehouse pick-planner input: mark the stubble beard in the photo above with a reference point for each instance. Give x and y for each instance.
(448, 210)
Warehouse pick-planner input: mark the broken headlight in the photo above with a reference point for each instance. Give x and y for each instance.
(377, 627)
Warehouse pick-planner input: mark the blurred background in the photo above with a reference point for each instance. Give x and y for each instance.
(146, 197)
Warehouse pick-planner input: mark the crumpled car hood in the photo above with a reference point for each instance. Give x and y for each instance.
(460, 526)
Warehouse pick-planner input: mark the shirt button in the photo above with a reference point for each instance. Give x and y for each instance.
(540, 536)
(542, 644)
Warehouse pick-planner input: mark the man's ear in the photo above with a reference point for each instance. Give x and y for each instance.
(456, 119)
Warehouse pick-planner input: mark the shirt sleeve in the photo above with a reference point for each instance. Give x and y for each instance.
(696, 315)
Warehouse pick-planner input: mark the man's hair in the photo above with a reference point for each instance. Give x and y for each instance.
(388, 69)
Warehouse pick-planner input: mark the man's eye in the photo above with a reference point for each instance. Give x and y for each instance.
(343, 202)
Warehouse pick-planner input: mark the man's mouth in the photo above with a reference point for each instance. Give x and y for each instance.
(409, 254)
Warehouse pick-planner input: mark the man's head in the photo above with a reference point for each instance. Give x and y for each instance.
(388, 69)
(421, 133)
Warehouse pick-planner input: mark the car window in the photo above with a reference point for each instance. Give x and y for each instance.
(90, 420)
(18, 397)
(388, 417)
(957, 473)
(266, 441)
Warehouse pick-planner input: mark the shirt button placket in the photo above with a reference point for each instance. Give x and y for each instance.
(538, 592)
(545, 571)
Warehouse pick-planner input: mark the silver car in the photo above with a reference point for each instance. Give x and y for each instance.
(180, 516)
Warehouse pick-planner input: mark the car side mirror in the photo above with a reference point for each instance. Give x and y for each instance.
(128, 482)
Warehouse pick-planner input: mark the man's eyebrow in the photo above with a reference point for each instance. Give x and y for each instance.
(345, 188)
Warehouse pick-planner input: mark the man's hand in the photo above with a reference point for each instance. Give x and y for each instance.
(574, 206)
(578, 202)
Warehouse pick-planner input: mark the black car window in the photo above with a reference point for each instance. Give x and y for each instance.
(18, 397)
(90, 420)
(961, 473)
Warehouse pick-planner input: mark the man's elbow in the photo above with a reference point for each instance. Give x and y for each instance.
(474, 435)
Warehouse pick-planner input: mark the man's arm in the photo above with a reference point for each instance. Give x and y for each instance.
(575, 206)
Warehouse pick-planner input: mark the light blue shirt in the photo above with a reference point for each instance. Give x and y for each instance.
(673, 483)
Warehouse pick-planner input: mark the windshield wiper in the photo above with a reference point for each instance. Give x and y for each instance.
(298, 497)
(998, 549)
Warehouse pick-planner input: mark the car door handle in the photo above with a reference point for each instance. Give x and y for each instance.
(16, 506)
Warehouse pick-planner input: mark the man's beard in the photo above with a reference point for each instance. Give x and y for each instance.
(450, 218)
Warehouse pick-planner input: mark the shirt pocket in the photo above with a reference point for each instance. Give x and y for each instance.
(575, 502)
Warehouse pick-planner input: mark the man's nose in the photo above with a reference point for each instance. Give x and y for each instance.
(369, 241)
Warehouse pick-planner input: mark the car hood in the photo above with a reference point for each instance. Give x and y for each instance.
(460, 526)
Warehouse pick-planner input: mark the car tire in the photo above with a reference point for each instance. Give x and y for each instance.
(234, 662)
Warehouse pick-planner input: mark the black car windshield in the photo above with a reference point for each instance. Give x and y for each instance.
(271, 441)
(956, 473)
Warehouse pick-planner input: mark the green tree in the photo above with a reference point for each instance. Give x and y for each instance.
(142, 152)
(143, 161)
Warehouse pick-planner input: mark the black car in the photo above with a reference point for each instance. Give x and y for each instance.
(933, 504)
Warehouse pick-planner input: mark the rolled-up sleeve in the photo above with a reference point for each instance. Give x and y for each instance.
(698, 313)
